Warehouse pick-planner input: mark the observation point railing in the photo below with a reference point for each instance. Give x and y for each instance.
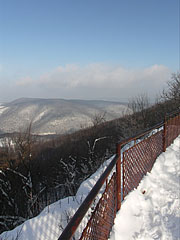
(134, 158)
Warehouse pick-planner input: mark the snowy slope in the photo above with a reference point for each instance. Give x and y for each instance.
(53, 116)
(49, 224)
(152, 211)
(2, 108)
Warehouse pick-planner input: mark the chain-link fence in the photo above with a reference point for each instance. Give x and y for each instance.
(135, 157)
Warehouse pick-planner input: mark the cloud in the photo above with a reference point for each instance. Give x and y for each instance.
(1, 68)
(98, 80)
(25, 81)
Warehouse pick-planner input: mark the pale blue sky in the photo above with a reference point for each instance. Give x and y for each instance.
(87, 48)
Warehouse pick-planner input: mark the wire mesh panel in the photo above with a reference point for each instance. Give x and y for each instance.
(172, 129)
(102, 218)
(139, 159)
(136, 162)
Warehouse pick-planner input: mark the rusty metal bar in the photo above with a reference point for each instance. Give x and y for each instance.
(146, 132)
(164, 135)
(102, 218)
(118, 175)
(123, 178)
(80, 213)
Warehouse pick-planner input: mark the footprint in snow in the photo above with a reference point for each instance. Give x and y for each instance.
(169, 224)
(165, 211)
(174, 196)
(157, 220)
(155, 233)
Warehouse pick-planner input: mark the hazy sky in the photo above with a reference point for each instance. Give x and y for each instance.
(87, 49)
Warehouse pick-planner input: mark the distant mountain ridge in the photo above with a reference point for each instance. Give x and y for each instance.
(51, 116)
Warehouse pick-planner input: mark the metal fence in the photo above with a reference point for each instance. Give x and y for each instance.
(172, 125)
(134, 158)
(139, 159)
(102, 219)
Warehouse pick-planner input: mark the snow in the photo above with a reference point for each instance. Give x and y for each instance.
(2, 109)
(150, 212)
(46, 133)
(40, 115)
(6, 142)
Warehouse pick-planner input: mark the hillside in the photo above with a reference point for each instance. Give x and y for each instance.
(51, 116)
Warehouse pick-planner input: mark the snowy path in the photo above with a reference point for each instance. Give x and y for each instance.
(153, 210)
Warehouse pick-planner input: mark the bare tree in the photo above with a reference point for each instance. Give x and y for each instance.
(173, 91)
(139, 105)
(98, 118)
(23, 145)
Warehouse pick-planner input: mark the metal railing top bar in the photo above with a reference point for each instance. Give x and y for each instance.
(135, 137)
(176, 112)
(82, 210)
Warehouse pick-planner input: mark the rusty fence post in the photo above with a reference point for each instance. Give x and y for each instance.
(165, 134)
(118, 176)
(123, 184)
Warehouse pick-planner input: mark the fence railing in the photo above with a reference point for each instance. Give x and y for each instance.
(134, 158)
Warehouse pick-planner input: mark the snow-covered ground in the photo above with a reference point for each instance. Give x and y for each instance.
(49, 224)
(6, 142)
(152, 211)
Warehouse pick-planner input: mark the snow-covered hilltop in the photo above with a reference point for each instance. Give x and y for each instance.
(55, 115)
